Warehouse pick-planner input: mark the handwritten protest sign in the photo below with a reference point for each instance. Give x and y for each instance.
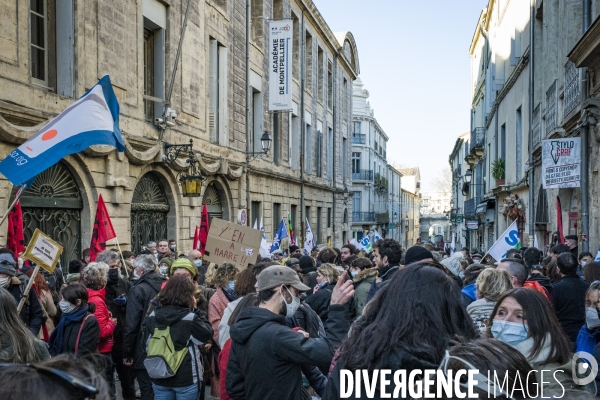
(232, 243)
(43, 251)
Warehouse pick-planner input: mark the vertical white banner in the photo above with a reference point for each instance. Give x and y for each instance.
(280, 64)
(561, 159)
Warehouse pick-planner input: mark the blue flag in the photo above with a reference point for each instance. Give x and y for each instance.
(281, 233)
(93, 119)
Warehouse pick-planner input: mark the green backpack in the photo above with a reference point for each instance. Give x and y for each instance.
(162, 359)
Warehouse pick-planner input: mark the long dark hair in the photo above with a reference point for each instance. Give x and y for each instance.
(419, 312)
(541, 321)
(179, 291)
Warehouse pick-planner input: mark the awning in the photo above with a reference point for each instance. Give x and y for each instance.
(481, 207)
(472, 224)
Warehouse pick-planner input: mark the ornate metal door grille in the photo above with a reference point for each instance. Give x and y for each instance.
(53, 205)
(149, 210)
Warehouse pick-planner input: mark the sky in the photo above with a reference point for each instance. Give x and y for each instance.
(414, 61)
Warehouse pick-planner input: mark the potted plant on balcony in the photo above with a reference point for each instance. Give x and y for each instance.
(498, 171)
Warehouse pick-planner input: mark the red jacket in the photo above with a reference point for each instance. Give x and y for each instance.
(107, 326)
(223, 360)
(536, 286)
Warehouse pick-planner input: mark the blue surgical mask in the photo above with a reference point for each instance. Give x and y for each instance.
(231, 285)
(509, 332)
(353, 273)
(591, 318)
(198, 263)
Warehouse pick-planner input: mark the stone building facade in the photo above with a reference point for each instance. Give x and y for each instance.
(52, 51)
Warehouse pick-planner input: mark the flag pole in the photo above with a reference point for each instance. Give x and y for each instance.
(28, 289)
(121, 254)
(19, 192)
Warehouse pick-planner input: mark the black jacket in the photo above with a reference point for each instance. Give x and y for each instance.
(118, 310)
(319, 301)
(568, 299)
(184, 325)
(31, 313)
(544, 281)
(142, 291)
(384, 277)
(399, 359)
(266, 356)
(88, 342)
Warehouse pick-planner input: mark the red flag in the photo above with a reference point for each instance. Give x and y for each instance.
(196, 238)
(103, 230)
(15, 239)
(203, 229)
(559, 225)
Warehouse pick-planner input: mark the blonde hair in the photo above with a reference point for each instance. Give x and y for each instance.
(329, 271)
(492, 283)
(210, 274)
(224, 273)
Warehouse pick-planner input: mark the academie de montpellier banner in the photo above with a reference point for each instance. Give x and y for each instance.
(561, 163)
(280, 65)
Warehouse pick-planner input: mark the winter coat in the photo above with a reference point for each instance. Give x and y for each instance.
(544, 281)
(319, 301)
(480, 311)
(142, 291)
(362, 284)
(224, 324)
(107, 326)
(266, 356)
(587, 340)
(535, 285)
(223, 361)
(468, 294)
(187, 328)
(565, 387)
(49, 308)
(7, 351)
(399, 359)
(568, 300)
(31, 314)
(383, 280)
(118, 310)
(89, 340)
(216, 306)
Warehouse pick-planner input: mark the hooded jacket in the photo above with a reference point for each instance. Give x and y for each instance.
(142, 291)
(399, 359)
(187, 328)
(362, 284)
(543, 281)
(107, 326)
(266, 356)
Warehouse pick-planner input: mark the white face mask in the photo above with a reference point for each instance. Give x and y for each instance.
(164, 270)
(582, 264)
(4, 281)
(66, 307)
(293, 306)
(136, 274)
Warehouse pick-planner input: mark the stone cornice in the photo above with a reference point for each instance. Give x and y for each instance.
(587, 48)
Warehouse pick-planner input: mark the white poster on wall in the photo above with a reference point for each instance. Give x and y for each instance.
(280, 64)
(561, 163)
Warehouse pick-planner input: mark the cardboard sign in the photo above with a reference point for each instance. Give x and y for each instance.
(43, 251)
(232, 243)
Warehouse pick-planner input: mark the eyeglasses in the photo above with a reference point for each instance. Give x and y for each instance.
(482, 381)
(90, 391)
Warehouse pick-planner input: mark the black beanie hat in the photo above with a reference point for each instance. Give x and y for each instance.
(416, 253)
(306, 264)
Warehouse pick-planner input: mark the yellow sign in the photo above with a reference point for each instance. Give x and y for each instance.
(43, 251)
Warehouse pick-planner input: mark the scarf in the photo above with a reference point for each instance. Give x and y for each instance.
(230, 295)
(56, 339)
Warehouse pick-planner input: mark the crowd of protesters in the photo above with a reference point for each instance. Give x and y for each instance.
(284, 327)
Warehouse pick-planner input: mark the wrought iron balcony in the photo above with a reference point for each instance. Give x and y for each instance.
(571, 88)
(363, 216)
(362, 175)
(471, 206)
(359, 138)
(477, 141)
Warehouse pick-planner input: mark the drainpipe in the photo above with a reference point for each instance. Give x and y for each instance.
(585, 130)
(334, 111)
(300, 235)
(248, 128)
(531, 179)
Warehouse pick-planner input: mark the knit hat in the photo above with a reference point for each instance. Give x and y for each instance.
(293, 248)
(415, 254)
(453, 263)
(277, 275)
(306, 264)
(7, 264)
(165, 260)
(184, 263)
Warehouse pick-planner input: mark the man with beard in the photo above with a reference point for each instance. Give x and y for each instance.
(387, 255)
(263, 346)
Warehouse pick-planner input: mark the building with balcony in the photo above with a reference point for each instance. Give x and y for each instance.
(370, 174)
(51, 52)
(410, 205)
(458, 165)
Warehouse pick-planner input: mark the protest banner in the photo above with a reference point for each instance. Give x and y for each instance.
(232, 243)
(561, 163)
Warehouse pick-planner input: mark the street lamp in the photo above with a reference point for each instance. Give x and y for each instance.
(190, 178)
(265, 143)
(394, 221)
(468, 176)
(346, 193)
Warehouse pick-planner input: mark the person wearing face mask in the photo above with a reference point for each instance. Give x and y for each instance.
(584, 258)
(196, 258)
(589, 334)
(164, 266)
(78, 331)
(363, 275)
(327, 277)
(263, 346)
(524, 319)
(143, 290)
(15, 282)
